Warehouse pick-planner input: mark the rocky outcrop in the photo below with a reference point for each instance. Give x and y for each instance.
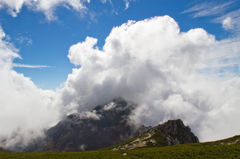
(141, 141)
(104, 126)
(172, 132)
(176, 132)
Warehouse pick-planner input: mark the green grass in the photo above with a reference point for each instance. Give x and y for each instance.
(120, 144)
(199, 150)
(214, 150)
(161, 141)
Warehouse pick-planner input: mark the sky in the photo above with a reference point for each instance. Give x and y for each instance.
(174, 58)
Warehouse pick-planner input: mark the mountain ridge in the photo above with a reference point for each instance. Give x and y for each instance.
(104, 126)
(172, 132)
(108, 125)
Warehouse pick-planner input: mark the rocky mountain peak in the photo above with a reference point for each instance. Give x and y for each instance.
(104, 126)
(172, 132)
(107, 125)
(177, 129)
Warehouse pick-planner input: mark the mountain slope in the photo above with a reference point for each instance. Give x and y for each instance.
(104, 126)
(172, 132)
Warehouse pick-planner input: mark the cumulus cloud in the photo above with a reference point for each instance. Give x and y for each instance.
(25, 109)
(168, 73)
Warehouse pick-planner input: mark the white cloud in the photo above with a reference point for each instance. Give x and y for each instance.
(230, 20)
(21, 39)
(25, 109)
(28, 66)
(46, 6)
(163, 70)
(227, 23)
(127, 3)
(224, 59)
(14, 6)
(208, 8)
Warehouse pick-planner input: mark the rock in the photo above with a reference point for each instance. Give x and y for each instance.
(176, 132)
(104, 126)
(107, 125)
(172, 132)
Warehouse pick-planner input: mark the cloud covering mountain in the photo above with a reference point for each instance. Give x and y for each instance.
(169, 74)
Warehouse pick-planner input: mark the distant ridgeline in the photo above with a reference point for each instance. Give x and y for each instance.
(4, 150)
(108, 125)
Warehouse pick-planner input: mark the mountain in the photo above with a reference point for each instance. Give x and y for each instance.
(4, 150)
(104, 126)
(172, 132)
(108, 125)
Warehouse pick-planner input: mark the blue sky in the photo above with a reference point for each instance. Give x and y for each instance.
(46, 42)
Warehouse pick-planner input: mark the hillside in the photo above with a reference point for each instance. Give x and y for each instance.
(227, 148)
(172, 132)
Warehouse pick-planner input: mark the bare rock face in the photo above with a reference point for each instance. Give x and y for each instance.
(172, 132)
(176, 132)
(104, 126)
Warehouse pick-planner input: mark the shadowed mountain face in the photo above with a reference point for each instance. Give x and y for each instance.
(102, 127)
(4, 150)
(108, 125)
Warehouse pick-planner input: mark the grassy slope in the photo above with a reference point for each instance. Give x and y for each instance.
(218, 149)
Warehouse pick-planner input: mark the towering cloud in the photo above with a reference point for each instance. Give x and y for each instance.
(168, 73)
